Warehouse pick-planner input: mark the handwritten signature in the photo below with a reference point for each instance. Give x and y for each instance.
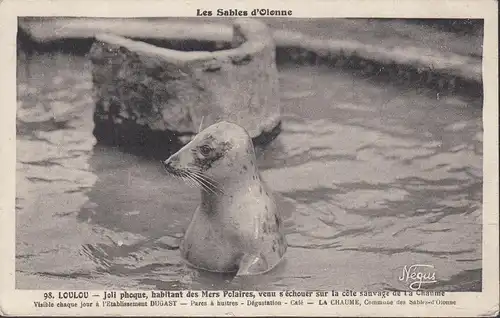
(417, 275)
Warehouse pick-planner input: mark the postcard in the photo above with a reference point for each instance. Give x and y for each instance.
(321, 158)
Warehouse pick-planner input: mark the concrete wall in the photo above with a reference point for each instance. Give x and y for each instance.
(159, 90)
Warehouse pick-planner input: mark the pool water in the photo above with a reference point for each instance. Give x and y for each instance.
(370, 178)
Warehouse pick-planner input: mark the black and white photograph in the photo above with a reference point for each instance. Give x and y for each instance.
(250, 150)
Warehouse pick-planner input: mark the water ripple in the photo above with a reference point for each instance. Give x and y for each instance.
(370, 180)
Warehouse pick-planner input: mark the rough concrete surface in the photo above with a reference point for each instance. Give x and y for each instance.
(171, 91)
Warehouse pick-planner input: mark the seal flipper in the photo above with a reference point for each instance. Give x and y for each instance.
(252, 264)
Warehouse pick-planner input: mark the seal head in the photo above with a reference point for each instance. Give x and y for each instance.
(237, 227)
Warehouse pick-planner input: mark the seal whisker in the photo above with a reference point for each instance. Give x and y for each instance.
(209, 181)
(176, 174)
(193, 181)
(183, 176)
(204, 176)
(189, 180)
(204, 185)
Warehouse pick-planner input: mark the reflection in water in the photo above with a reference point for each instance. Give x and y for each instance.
(370, 179)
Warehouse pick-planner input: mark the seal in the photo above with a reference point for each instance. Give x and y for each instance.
(237, 226)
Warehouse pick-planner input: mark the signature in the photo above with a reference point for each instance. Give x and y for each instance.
(417, 275)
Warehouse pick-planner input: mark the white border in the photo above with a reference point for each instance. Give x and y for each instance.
(19, 302)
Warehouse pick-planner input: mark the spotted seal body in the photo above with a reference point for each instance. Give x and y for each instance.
(237, 227)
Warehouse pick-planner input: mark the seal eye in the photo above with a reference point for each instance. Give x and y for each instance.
(205, 150)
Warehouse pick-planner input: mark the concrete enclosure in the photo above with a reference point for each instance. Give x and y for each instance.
(156, 98)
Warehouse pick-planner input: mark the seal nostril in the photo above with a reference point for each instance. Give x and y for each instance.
(167, 164)
(171, 164)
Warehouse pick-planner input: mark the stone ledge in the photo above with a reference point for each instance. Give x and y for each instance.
(445, 73)
(147, 95)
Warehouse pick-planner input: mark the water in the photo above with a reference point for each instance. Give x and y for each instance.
(370, 177)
